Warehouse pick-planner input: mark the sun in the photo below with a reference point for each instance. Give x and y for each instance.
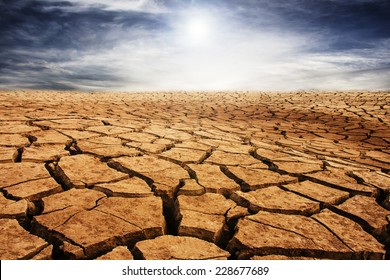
(198, 28)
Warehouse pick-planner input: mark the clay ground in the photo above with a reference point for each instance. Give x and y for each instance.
(194, 175)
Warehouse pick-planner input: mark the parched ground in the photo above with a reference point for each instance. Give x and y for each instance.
(194, 175)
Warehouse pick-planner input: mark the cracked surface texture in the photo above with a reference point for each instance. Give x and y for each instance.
(244, 175)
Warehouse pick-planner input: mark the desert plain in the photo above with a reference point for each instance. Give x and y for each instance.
(186, 175)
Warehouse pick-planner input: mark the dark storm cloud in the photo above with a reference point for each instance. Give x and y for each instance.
(35, 35)
(254, 44)
(348, 24)
(38, 24)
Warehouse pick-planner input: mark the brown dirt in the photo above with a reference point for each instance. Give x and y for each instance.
(242, 175)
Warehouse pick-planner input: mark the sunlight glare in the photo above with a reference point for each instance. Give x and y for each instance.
(198, 28)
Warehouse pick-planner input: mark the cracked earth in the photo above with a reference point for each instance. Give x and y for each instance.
(194, 175)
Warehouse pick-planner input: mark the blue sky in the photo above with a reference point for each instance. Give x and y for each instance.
(152, 45)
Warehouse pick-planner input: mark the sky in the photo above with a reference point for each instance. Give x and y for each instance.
(150, 45)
